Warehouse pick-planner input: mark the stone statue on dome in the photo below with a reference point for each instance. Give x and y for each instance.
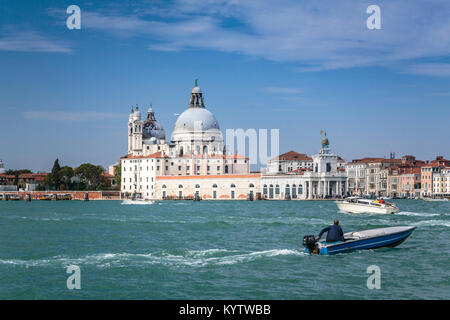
(325, 142)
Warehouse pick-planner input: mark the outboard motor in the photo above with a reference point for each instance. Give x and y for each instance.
(310, 243)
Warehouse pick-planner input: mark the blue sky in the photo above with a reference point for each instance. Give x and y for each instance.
(298, 66)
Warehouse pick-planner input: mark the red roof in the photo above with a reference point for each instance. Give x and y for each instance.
(7, 176)
(153, 155)
(107, 175)
(293, 156)
(33, 175)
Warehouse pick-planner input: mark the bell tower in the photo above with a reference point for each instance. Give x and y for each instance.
(130, 131)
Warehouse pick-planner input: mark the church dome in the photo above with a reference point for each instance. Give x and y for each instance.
(152, 129)
(196, 118)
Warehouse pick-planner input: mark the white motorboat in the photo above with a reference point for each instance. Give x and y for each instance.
(361, 205)
(137, 201)
(435, 199)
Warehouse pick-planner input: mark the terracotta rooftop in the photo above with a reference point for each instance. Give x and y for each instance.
(153, 155)
(292, 155)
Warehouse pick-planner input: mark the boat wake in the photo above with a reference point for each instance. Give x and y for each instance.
(429, 223)
(195, 258)
(417, 214)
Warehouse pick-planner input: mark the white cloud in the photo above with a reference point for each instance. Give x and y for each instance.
(317, 35)
(430, 69)
(30, 41)
(72, 116)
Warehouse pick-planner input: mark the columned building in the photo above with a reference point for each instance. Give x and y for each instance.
(324, 179)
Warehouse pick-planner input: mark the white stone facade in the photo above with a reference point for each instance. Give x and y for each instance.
(195, 149)
(324, 180)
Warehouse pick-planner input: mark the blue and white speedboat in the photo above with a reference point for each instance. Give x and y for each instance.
(360, 240)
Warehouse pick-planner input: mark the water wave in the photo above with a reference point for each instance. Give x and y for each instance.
(192, 258)
(417, 214)
(432, 223)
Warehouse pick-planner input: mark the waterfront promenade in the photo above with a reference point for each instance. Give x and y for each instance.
(74, 195)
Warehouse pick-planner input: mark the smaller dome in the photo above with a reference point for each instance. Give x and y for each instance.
(196, 89)
(152, 129)
(137, 114)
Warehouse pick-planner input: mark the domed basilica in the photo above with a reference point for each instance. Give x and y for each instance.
(196, 131)
(194, 164)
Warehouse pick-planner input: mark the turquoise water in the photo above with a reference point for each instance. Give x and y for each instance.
(213, 250)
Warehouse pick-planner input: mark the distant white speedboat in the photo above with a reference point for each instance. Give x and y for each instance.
(137, 201)
(435, 199)
(361, 205)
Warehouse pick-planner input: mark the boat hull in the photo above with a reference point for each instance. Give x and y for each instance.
(386, 237)
(138, 202)
(362, 208)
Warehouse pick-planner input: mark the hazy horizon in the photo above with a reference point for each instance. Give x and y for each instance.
(296, 66)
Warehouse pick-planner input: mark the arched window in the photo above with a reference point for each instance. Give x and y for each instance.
(300, 189)
(226, 169)
(265, 189)
(277, 189)
(271, 191)
(180, 186)
(287, 190)
(197, 186)
(294, 191)
(233, 185)
(164, 186)
(214, 185)
(251, 185)
(205, 149)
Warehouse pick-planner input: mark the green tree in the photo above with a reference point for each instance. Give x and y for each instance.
(118, 175)
(47, 181)
(65, 174)
(55, 178)
(91, 176)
